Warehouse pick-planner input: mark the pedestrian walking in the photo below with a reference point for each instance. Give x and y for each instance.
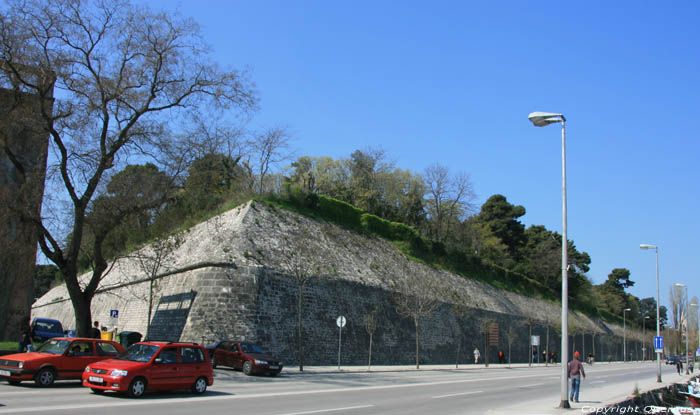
(95, 330)
(679, 366)
(576, 373)
(477, 354)
(25, 338)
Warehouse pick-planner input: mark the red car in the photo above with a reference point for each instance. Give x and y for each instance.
(152, 366)
(57, 358)
(248, 357)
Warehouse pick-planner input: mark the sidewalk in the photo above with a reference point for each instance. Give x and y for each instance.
(406, 368)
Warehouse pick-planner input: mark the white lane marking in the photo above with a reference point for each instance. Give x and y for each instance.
(530, 385)
(103, 403)
(598, 381)
(330, 410)
(456, 394)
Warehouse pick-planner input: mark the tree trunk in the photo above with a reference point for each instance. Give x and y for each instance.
(546, 349)
(369, 361)
(150, 308)
(417, 347)
(459, 345)
(300, 339)
(529, 341)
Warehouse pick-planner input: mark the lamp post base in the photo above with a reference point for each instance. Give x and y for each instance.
(564, 404)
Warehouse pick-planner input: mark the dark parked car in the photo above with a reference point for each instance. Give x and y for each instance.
(671, 359)
(248, 357)
(46, 328)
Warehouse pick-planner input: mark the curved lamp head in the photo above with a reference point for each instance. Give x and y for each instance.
(541, 119)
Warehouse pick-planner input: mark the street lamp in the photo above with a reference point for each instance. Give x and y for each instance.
(644, 336)
(658, 317)
(542, 119)
(697, 311)
(624, 334)
(685, 287)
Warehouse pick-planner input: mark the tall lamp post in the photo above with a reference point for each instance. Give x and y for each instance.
(644, 336)
(542, 119)
(624, 334)
(685, 287)
(658, 317)
(697, 317)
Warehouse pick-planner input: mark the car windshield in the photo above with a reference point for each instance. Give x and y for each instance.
(49, 326)
(251, 348)
(54, 346)
(139, 352)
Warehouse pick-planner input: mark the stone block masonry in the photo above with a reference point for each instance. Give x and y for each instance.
(257, 299)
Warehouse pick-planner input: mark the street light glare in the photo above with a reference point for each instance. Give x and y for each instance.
(628, 309)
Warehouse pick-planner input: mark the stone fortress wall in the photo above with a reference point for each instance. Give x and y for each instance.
(255, 299)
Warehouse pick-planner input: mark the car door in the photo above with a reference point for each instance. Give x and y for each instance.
(165, 370)
(224, 354)
(79, 354)
(192, 363)
(236, 356)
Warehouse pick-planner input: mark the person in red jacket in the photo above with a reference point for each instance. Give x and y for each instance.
(576, 373)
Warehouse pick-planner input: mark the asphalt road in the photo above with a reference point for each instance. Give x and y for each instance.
(433, 392)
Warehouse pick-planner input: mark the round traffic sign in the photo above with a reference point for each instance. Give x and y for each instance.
(340, 321)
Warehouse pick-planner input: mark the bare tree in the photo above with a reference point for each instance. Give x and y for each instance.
(678, 310)
(304, 265)
(152, 261)
(449, 197)
(528, 321)
(511, 337)
(460, 313)
(269, 148)
(485, 324)
(370, 326)
(123, 72)
(549, 322)
(415, 297)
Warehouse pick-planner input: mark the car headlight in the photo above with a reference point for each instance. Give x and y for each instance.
(260, 362)
(117, 372)
(87, 368)
(21, 365)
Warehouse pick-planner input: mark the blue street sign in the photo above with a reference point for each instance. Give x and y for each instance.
(658, 343)
(114, 313)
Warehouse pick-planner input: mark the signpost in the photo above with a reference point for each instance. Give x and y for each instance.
(340, 322)
(535, 343)
(658, 344)
(113, 318)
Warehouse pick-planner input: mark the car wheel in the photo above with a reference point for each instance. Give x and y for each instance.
(213, 362)
(14, 382)
(45, 377)
(273, 374)
(200, 386)
(248, 368)
(137, 387)
(97, 391)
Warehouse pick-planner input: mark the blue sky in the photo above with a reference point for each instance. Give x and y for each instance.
(453, 82)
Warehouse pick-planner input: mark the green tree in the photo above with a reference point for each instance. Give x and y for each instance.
(45, 276)
(500, 219)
